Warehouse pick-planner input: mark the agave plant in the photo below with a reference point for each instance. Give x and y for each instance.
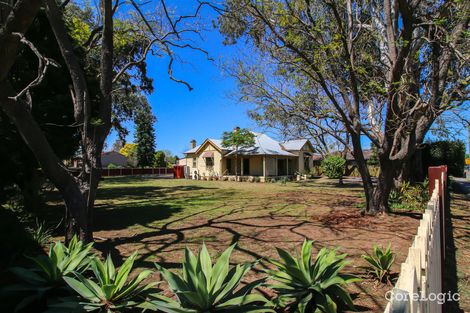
(381, 262)
(44, 282)
(110, 290)
(59, 262)
(306, 286)
(208, 287)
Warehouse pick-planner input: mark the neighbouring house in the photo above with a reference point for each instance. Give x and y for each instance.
(267, 158)
(113, 157)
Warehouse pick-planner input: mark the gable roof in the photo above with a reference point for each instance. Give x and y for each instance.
(217, 143)
(294, 145)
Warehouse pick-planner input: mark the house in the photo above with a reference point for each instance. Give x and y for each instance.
(267, 158)
(113, 157)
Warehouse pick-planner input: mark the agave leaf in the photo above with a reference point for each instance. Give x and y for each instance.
(100, 271)
(82, 289)
(174, 281)
(165, 304)
(342, 294)
(325, 303)
(240, 271)
(27, 275)
(206, 265)
(248, 288)
(306, 253)
(132, 286)
(243, 300)
(303, 303)
(124, 271)
(110, 270)
(221, 269)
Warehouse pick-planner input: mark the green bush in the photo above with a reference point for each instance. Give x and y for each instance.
(333, 166)
(409, 197)
(303, 286)
(381, 262)
(207, 287)
(450, 153)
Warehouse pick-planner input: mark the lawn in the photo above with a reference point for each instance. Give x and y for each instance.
(159, 217)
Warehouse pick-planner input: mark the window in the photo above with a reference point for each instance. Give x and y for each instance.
(194, 162)
(209, 162)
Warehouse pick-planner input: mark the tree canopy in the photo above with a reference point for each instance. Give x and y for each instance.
(384, 70)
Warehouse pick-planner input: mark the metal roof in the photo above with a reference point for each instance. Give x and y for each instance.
(264, 145)
(294, 145)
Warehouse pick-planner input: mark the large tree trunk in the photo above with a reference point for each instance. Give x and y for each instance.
(385, 183)
(366, 178)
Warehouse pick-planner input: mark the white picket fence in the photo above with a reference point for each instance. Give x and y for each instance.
(420, 278)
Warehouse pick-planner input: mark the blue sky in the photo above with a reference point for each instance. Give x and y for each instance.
(207, 111)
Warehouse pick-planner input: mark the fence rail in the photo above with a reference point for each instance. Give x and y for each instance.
(421, 275)
(136, 171)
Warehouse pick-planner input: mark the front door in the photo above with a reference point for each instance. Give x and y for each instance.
(246, 166)
(229, 166)
(281, 167)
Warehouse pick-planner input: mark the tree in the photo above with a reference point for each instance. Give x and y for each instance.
(52, 110)
(236, 140)
(159, 159)
(130, 152)
(104, 57)
(118, 145)
(385, 70)
(333, 167)
(145, 135)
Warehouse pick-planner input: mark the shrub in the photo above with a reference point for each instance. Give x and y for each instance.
(303, 286)
(408, 197)
(450, 153)
(207, 287)
(381, 262)
(333, 166)
(112, 166)
(110, 290)
(41, 233)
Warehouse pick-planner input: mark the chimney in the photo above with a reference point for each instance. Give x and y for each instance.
(236, 128)
(193, 144)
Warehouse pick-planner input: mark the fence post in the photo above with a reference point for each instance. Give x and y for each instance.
(439, 173)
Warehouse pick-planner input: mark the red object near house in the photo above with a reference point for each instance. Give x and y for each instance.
(178, 171)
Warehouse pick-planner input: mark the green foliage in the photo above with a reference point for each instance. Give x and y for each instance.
(207, 287)
(238, 139)
(130, 152)
(333, 166)
(44, 283)
(112, 166)
(303, 286)
(450, 153)
(145, 135)
(59, 262)
(381, 262)
(110, 290)
(408, 197)
(374, 158)
(159, 159)
(41, 233)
